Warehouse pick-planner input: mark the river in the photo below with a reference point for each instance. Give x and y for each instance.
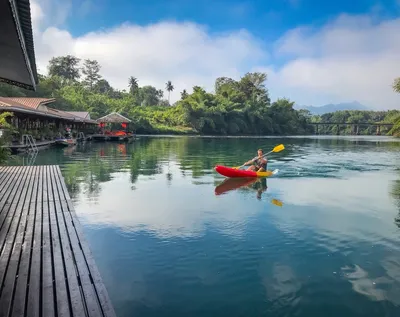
(171, 237)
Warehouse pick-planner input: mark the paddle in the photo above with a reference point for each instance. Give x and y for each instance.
(277, 202)
(276, 149)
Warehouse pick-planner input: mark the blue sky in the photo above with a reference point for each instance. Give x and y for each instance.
(265, 19)
(314, 52)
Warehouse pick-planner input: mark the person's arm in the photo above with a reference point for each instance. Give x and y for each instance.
(249, 162)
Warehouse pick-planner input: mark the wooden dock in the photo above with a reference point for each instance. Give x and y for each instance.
(46, 267)
(20, 147)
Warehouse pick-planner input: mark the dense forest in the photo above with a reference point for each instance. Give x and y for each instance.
(236, 107)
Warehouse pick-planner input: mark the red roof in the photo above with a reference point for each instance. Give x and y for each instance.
(33, 103)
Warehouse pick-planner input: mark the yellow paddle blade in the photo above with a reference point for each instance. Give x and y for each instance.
(278, 148)
(277, 202)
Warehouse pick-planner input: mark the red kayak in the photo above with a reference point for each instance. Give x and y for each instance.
(234, 172)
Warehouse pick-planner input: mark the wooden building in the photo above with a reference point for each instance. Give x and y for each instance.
(33, 118)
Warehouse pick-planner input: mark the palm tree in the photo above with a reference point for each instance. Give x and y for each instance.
(396, 85)
(169, 88)
(133, 85)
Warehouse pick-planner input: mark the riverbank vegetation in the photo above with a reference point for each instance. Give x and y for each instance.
(236, 107)
(396, 118)
(357, 119)
(4, 125)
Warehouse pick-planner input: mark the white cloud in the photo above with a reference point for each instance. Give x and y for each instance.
(184, 53)
(350, 58)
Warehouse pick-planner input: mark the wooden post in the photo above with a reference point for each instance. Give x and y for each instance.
(378, 130)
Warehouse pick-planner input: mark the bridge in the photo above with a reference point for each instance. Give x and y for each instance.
(355, 126)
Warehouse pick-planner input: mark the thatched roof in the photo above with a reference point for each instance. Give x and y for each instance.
(17, 55)
(113, 117)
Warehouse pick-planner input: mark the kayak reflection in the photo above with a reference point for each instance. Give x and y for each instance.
(233, 183)
(257, 184)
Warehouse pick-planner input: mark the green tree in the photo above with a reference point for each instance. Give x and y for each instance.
(149, 96)
(65, 67)
(5, 127)
(102, 86)
(184, 94)
(91, 70)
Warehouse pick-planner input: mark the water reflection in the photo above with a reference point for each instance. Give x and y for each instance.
(396, 195)
(259, 185)
(235, 183)
(282, 287)
(377, 287)
(183, 209)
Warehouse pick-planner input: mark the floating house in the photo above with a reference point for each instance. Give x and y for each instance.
(113, 127)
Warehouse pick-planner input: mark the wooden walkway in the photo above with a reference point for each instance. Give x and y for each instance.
(46, 267)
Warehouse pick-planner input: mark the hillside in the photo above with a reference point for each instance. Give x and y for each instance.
(355, 105)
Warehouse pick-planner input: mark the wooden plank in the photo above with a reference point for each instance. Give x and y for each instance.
(15, 265)
(20, 297)
(10, 218)
(50, 195)
(4, 175)
(15, 244)
(46, 267)
(48, 300)
(76, 295)
(89, 291)
(34, 295)
(9, 209)
(62, 187)
(62, 294)
(44, 196)
(11, 187)
(10, 232)
(93, 287)
(9, 184)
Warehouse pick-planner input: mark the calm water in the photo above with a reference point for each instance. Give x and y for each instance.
(321, 238)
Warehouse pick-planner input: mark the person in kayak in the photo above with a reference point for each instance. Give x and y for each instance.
(259, 164)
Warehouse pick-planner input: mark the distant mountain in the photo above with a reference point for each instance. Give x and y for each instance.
(355, 105)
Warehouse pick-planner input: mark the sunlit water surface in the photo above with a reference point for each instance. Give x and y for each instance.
(172, 238)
